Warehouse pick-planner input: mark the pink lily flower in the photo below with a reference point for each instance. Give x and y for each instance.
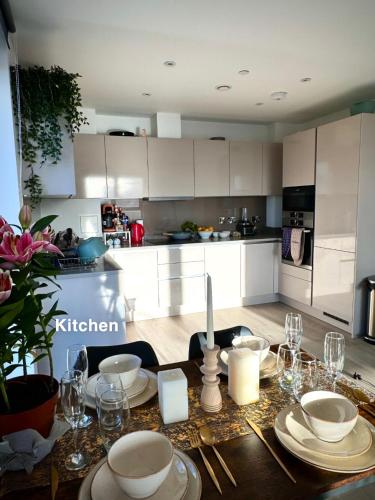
(4, 227)
(6, 284)
(19, 250)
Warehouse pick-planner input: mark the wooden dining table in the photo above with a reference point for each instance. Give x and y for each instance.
(257, 473)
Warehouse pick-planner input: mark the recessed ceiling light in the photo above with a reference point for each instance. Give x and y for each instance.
(306, 79)
(243, 72)
(279, 95)
(170, 64)
(146, 94)
(223, 88)
(259, 103)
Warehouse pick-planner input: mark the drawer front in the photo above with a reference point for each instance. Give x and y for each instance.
(182, 291)
(296, 272)
(189, 253)
(180, 269)
(295, 288)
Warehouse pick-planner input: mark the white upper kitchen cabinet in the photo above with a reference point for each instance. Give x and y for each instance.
(211, 167)
(171, 167)
(272, 169)
(245, 168)
(299, 158)
(223, 263)
(259, 269)
(337, 173)
(333, 285)
(90, 167)
(127, 169)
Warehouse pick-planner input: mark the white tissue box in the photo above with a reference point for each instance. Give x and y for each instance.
(173, 396)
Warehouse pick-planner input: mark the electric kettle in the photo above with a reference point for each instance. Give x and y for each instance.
(136, 233)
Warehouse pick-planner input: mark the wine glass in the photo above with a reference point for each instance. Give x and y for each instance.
(114, 416)
(293, 329)
(76, 359)
(73, 405)
(305, 374)
(106, 382)
(285, 358)
(334, 355)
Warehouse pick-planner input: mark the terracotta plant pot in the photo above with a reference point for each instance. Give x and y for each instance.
(38, 407)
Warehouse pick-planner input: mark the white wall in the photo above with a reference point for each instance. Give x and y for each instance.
(10, 199)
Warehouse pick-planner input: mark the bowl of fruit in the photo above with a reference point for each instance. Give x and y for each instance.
(205, 232)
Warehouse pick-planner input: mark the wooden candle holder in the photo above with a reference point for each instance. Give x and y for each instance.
(211, 400)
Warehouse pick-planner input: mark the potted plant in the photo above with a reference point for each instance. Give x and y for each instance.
(26, 269)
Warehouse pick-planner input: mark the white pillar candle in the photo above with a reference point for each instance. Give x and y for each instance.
(243, 376)
(210, 317)
(173, 396)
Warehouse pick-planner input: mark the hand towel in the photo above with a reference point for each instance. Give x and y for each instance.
(297, 245)
(287, 233)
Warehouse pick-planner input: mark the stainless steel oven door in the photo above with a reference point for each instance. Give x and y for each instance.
(307, 261)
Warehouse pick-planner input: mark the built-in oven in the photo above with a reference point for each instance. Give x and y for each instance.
(298, 212)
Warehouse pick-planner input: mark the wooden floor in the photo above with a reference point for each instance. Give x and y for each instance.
(170, 336)
(170, 339)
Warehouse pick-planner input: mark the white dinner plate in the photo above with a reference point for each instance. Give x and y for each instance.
(348, 465)
(149, 392)
(267, 369)
(356, 442)
(132, 391)
(193, 490)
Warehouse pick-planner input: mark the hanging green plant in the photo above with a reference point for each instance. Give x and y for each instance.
(45, 102)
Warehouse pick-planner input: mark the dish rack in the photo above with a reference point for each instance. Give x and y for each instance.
(76, 263)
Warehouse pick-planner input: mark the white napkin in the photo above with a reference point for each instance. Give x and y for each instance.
(23, 449)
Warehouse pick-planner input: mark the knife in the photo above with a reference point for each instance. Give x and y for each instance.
(259, 433)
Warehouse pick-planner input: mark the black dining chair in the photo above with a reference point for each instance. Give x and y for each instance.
(223, 338)
(96, 354)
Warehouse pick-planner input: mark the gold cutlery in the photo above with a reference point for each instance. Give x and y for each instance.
(209, 439)
(54, 481)
(195, 443)
(359, 397)
(259, 433)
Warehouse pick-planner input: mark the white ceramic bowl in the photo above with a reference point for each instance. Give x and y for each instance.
(126, 365)
(215, 234)
(140, 462)
(224, 234)
(257, 344)
(330, 416)
(205, 235)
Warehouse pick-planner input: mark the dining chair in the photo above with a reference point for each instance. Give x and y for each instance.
(223, 338)
(96, 354)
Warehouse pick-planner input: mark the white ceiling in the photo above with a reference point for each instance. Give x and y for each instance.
(118, 46)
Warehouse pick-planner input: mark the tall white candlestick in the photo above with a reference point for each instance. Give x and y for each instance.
(210, 317)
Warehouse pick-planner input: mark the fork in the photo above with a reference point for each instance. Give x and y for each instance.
(196, 443)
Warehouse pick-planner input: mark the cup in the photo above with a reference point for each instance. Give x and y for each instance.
(285, 358)
(140, 462)
(114, 416)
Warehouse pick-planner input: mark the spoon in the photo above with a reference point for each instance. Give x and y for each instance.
(209, 439)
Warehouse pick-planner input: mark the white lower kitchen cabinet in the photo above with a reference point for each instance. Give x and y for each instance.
(186, 292)
(295, 288)
(259, 269)
(223, 263)
(140, 281)
(334, 275)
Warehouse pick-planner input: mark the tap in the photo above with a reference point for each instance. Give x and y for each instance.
(231, 219)
(221, 220)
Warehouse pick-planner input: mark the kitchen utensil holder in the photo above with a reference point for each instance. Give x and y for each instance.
(211, 400)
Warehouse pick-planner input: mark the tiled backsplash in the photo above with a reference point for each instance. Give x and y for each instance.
(83, 216)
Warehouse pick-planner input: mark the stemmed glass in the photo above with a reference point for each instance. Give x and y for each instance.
(76, 359)
(334, 355)
(114, 416)
(305, 374)
(73, 405)
(293, 329)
